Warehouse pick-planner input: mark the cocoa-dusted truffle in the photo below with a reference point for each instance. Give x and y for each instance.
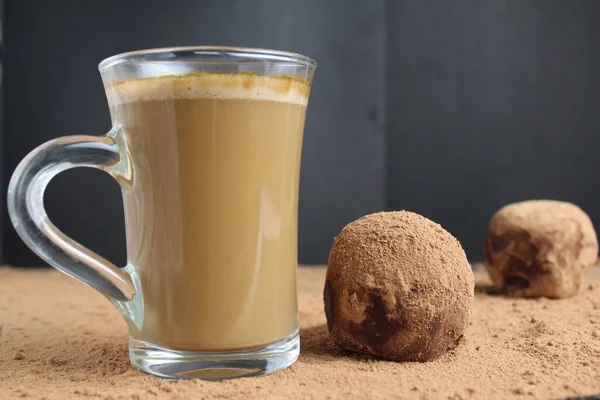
(398, 286)
(540, 248)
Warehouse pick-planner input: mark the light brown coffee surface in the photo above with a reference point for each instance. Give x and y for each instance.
(61, 340)
(211, 208)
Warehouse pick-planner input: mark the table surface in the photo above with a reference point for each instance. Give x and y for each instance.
(59, 340)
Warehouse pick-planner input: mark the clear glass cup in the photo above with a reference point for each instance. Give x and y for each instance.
(206, 145)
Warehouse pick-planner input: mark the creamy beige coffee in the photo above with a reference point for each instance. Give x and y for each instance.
(211, 206)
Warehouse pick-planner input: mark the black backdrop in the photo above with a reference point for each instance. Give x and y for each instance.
(450, 109)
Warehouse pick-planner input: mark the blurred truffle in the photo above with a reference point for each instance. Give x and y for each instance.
(540, 248)
(398, 286)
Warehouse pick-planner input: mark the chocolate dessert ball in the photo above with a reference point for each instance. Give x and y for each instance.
(398, 286)
(540, 248)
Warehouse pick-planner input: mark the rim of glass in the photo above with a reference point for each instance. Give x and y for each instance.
(257, 53)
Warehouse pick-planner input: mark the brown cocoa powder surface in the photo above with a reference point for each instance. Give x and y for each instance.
(61, 340)
(540, 248)
(398, 286)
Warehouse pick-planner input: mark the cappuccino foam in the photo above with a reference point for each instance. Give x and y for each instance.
(204, 85)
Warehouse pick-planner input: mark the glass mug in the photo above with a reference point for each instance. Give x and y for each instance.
(206, 145)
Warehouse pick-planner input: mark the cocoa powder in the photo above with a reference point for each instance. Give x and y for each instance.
(71, 344)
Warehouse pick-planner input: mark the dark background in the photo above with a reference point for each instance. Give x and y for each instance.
(449, 109)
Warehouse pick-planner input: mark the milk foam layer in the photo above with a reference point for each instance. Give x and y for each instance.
(210, 85)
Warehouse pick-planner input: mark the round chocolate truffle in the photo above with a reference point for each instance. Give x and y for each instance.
(398, 286)
(540, 248)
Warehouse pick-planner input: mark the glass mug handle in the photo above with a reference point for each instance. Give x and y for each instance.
(28, 215)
